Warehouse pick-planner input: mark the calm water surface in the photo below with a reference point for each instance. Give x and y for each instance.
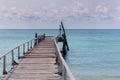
(93, 55)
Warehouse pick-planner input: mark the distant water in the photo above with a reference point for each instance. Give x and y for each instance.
(93, 55)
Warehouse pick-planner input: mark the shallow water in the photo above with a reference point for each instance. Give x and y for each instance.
(99, 78)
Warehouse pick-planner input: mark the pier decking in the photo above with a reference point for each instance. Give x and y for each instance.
(38, 64)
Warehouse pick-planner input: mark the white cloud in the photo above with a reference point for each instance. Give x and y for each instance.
(79, 8)
(14, 13)
(117, 12)
(104, 12)
(102, 9)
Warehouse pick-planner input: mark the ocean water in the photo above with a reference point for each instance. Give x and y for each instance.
(94, 54)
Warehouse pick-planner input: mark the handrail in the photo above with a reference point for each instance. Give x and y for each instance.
(63, 64)
(6, 53)
(30, 44)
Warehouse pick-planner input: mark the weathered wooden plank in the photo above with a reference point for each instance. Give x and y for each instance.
(37, 79)
(37, 67)
(39, 61)
(18, 76)
(35, 71)
(42, 75)
(44, 49)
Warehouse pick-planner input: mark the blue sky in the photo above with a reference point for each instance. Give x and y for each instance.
(47, 14)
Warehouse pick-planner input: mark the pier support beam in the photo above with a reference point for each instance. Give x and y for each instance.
(62, 38)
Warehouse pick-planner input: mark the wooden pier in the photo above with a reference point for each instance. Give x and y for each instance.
(41, 59)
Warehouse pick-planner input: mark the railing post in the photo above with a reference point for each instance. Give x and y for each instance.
(23, 49)
(65, 74)
(60, 66)
(13, 61)
(18, 52)
(12, 57)
(31, 44)
(36, 41)
(4, 65)
(28, 45)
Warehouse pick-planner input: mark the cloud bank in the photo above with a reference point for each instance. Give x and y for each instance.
(75, 13)
(76, 10)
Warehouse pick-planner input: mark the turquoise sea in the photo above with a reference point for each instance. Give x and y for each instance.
(94, 54)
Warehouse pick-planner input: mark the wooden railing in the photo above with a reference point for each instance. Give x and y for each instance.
(64, 70)
(27, 45)
(24, 47)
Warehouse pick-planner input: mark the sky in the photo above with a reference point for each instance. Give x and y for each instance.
(47, 14)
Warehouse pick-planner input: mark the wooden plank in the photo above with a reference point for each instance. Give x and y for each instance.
(37, 78)
(40, 61)
(18, 76)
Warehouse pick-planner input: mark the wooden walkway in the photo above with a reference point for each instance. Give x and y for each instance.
(38, 59)
(38, 63)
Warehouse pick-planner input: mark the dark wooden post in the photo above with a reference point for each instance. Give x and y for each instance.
(4, 66)
(35, 39)
(64, 49)
(23, 49)
(31, 44)
(63, 38)
(13, 61)
(60, 30)
(18, 52)
(12, 57)
(64, 35)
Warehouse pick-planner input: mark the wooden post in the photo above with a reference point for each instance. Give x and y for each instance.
(13, 61)
(28, 45)
(60, 66)
(39, 39)
(18, 52)
(12, 57)
(4, 66)
(64, 35)
(65, 74)
(64, 49)
(60, 30)
(62, 38)
(36, 39)
(23, 49)
(31, 44)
